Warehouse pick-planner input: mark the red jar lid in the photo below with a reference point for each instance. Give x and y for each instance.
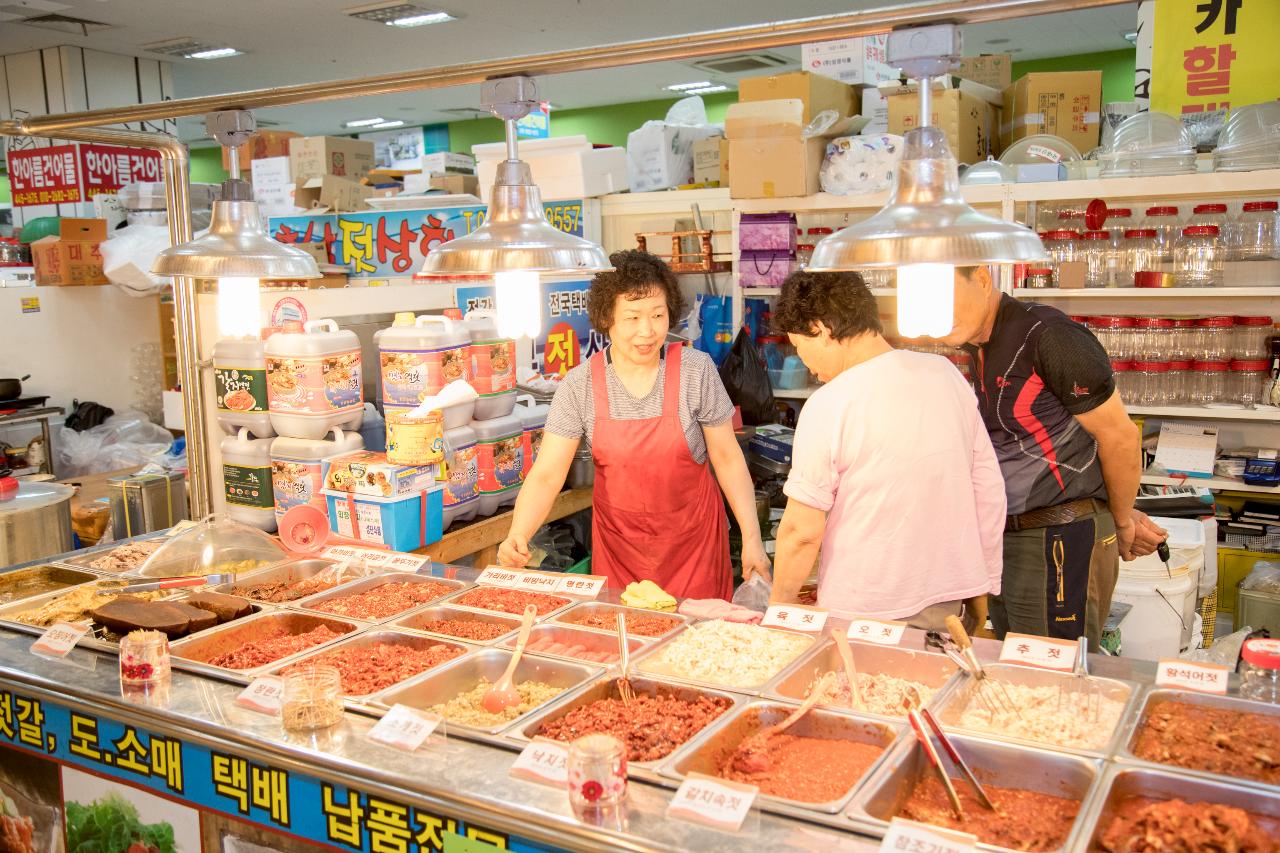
(821, 229)
(1151, 366)
(1079, 318)
(1261, 652)
(1260, 205)
(1250, 364)
(1179, 365)
(1114, 322)
(1039, 271)
(804, 247)
(1121, 366)
(1061, 235)
(772, 339)
(1253, 321)
(1139, 232)
(1200, 231)
(1154, 323)
(1215, 322)
(1096, 235)
(1162, 211)
(1119, 212)
(1210, 208)
(1211, 366)
(1184, 322)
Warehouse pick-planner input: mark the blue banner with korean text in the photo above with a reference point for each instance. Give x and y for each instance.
(566, 338)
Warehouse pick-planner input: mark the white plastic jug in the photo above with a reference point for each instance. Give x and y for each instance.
(533, 417)
(296, 473)
(493, 365)
(499, 460)
(246, 480)
(313, 379)
(417, 361)
(240, 383)
(462, 483)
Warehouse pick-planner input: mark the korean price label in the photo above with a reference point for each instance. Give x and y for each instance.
(499, 577)
(395, 561)
(59, 639)
(264, 694)
(583, 586)
(543, 760)
(1203, 677)
(404, 728)
(537, 582)
(875, 631)
(907, 836)
(795, 617)
(713, 802)
(1039, 652)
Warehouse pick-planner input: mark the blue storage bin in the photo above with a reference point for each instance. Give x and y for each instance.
(402, 524)
(787, 378)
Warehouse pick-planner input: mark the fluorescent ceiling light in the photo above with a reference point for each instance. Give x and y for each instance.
(365, 122)
(705, 90)
(1131, 37)
(684, 87)
(215, 53)
(422, 20)
(388, 124)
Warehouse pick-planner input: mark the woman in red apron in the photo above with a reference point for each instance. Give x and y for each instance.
(659, 424)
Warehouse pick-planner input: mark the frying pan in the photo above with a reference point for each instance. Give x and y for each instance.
(11, 389)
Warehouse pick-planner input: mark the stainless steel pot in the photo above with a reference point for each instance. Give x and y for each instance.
(35, 523)
(582, 473)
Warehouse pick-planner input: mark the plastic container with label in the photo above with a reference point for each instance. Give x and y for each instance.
(1260, 670)
(297, 476)
(401, 524)
(246, 480)
(499, 460)
(240, 385)
(462, 475)
(1167, 223)
(313, 379)
(493, 366)
(417, 361)
(533, 417)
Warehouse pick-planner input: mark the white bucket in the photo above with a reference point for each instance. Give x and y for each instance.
(1163, 615)
(1186, 553)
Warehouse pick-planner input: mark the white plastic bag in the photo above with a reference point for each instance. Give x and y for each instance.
(124, 440)
(128, 255)
(754, 594)
(854, 165)
(660, 153)
(1264, 577)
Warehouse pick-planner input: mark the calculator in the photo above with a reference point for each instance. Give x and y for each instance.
(1262, 472)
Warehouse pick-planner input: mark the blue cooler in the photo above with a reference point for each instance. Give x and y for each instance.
(401, 523)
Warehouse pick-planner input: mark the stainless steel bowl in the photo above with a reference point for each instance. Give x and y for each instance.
(652, 665)
(435, 612)
(366, 639)
(84, 559)
(21, 584)
(705, 753)
(194, 653)
(355, 587)
(575, 614)
(996, 764)
(456, 677)
(290, 572)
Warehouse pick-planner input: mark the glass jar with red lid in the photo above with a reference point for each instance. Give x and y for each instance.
(1095, 251)
(1116, 336)
(1211, 213)
(1179, 378)
(1215, 338)
(1209, 382)
(1138, 260)
(1062, 246)
(1119, 220)
(1197, 257)
(1150, 383)
(1256, 235)
(1124, 379)
(1252, 337)
(1183, 345)
(1249, 378)
(804, 254)
(1165, 220)
(1153, 338)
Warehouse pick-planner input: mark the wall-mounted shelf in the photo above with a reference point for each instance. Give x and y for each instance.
(1224, 484)
(1201, 413)
(1049, 294)
(794, 393)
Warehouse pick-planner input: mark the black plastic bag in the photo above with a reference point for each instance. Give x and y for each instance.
(746, 379)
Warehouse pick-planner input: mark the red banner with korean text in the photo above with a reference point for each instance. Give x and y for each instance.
(48, 175)
(1214, 54)
(107, 168)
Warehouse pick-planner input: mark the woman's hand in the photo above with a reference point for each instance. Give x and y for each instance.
(755, 561)
(513, 552)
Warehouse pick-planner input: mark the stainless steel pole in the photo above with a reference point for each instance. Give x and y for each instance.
(173, 155)
(709, 43)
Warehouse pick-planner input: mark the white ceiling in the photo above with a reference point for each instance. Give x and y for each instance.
(300, 41)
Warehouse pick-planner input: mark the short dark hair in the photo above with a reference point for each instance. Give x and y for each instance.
(635, 275)
(841, 300)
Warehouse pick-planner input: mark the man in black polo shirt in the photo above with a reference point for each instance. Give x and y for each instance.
(1069, 454)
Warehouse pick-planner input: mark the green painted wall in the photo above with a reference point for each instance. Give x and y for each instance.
(5, 197)
(1117, 68)
(206, 166)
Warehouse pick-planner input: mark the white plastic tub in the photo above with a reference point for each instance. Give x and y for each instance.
(313, 379)
(1162, 620)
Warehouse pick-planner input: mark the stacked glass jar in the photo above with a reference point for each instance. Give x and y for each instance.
(1138, 259)
(1198, 256)
(1096, 253)
(1256, 235)
(1125, 380)
(1164, 220)
(1116, 334)
(1062, 246)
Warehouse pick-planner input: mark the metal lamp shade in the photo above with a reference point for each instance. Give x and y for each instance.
(515, 237)
(926, 221)
(236, 246)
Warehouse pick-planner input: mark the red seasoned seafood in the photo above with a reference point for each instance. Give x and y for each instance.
(383, 600)
(465, 629)
(637, 623)
(277, 592)
(651, 726)
(1217, 740)
(546, 645)
(277, 644)
(368, 669)
(808, 769)
(1023, 820)
(1143, 825)
(511, 600)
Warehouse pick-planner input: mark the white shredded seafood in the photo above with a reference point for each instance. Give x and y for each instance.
(879, 693)
(1047, 714)
(730, 653)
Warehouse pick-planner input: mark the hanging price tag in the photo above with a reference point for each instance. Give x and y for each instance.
(875, 631)
(1039, 652)
(404, 728)
(545, 761)
(59, 639)
(500, 577)
(713, 802)
(909, 835)
(536, 582)
(583, 586)
(393, 561)
(1202, 677)
(795, 617)
(264, 694)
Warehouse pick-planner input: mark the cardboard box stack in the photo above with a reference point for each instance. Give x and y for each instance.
(815, 92)
(1063, 103)
(73, 257)
(264, 143)
(856, 61)
(327, 170)
(969, 115)
(769, 155)
(711, 161)
(990, 69)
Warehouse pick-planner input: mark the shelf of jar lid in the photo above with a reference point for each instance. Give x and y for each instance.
(1268, 413)
(875, 291)
(794, 393)
(1046, 293)
(1221, 484)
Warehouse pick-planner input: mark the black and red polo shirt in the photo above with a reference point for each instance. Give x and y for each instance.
(1039, 369)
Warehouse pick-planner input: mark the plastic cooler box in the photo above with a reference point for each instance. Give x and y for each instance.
(400, 523)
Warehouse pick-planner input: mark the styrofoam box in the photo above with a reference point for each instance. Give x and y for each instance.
(564, 167)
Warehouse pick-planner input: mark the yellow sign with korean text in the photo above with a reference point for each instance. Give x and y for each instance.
(1214, 54)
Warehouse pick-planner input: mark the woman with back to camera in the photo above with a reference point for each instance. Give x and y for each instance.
(654, 415)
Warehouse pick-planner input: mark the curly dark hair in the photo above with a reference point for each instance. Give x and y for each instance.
(841, 300)
(635, 275)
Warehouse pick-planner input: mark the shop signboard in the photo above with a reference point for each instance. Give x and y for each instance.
(194, 786)
(394, 243)
(1214, 54)
(107, 168)
(566, 338)
(49, 175)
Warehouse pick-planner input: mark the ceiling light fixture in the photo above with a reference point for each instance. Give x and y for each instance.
(422, 20)
(516, 245)
(705, 90)
(236, 251)
(684, 87)
(387, 125)
(927, 229)
(364, 122)
(1131, 36)
(215, 53)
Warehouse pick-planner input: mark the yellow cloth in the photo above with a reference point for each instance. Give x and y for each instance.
(648, 595)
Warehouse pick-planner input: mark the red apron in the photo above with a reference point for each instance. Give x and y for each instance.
(658, 514)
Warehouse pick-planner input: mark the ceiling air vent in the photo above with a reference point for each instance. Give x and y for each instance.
(742, 63)
(178, 47)
(66, 24)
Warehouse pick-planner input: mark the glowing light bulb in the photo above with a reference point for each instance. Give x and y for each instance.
(519, 303)
(238, 307)
(926, 300)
